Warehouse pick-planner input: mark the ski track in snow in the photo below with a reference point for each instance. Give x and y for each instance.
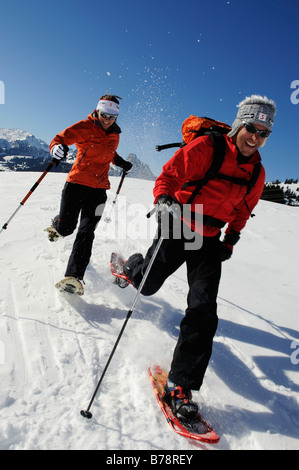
(56, 345)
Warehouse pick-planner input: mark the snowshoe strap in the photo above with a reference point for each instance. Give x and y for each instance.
(179, 392)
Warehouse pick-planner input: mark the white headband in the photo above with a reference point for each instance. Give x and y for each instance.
(107, 106)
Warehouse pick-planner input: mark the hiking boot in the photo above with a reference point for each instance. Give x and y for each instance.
(179, 399)
(133, 262)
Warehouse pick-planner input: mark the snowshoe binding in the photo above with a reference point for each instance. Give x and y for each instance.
(117, 269)
(53, 235)
(180, 401)
(70, 284)
(180, 411)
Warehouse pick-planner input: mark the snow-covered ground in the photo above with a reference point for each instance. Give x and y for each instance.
(53, 347)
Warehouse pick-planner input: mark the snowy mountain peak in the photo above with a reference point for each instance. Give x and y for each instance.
(12, 138)
(140, 169)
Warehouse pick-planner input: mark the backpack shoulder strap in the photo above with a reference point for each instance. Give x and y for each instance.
(218, 141)
(254, 177)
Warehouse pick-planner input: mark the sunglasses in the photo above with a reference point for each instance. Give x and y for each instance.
(111, 117)
(253, 130)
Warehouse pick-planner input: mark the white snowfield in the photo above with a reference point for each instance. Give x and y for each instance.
(53, 347)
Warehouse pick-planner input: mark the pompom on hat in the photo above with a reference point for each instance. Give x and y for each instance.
(255, 109)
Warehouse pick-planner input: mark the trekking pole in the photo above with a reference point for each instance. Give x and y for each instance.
(28, 194)
(86, 413)
(108, 218)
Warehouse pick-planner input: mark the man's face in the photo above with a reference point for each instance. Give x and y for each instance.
(248, 143)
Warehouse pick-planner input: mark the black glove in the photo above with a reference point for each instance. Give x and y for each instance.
(168, 216)
(225, 252)
(227, 246)
(231, 238)
(59, 152)
(124, 164)
(163, 204)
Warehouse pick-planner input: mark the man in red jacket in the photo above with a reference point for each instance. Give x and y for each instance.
(96, 140)
(219, 202)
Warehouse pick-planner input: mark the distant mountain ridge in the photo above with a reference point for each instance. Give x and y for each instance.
(14, 140)
(22, 151)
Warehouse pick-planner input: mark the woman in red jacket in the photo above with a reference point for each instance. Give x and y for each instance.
(96, 140)
(221, 201)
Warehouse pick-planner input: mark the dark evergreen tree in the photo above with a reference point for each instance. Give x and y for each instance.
(274, 193)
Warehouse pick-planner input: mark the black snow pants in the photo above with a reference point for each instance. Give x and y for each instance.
(198, 327)
(90, 202)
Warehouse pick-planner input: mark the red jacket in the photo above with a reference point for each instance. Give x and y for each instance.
(220, 198)
(96, 149)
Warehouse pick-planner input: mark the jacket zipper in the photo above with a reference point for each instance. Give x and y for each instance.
(82, 157)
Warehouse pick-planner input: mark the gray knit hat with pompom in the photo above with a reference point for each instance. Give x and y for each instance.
(255, 109)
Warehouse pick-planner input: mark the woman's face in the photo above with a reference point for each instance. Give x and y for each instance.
(105, 121)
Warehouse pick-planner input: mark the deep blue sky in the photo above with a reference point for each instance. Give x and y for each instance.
(167, 59)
